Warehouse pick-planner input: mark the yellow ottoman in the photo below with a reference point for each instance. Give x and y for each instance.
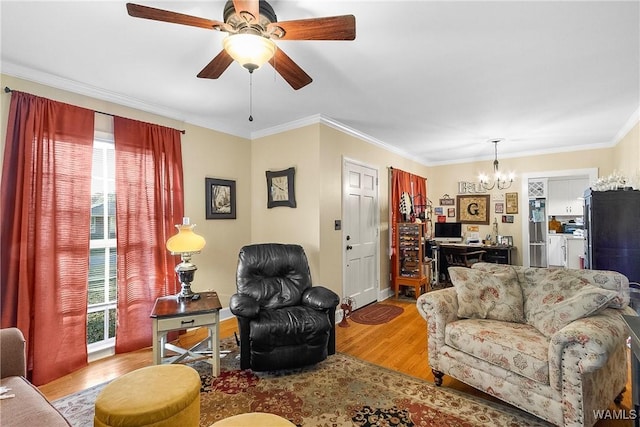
(158, 396)
(254, 419)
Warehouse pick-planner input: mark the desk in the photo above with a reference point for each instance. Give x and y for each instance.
(171, 314)
(497, 254)
(634, 329)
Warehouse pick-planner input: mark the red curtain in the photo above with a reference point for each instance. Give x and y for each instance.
(149, 203)
(416, 187)
(46, 202)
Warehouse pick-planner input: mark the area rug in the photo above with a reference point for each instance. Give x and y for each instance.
(376, 314)
(341, 391)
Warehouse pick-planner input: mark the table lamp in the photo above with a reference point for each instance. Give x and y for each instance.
(185, 243)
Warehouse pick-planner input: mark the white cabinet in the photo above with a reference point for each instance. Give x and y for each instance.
(537, 188)
(556, 250)
(564, 250)
(565, 197)
(575, 250)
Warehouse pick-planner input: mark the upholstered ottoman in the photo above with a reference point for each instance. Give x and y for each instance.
(161, 396)
(254, 419)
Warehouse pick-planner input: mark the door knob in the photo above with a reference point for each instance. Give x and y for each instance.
(349, 247)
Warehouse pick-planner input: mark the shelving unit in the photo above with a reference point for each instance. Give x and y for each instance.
(412, 269)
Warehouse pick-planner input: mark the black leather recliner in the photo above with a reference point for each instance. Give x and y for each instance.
(284, 321)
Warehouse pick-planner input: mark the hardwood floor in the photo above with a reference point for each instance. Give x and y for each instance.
(400, 345)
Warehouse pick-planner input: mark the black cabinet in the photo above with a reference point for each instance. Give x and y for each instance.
(498, 255)
(612, 223)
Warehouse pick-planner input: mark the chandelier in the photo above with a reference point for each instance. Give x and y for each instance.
(502, 182)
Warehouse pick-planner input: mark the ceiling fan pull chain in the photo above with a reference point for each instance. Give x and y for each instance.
(250, 96)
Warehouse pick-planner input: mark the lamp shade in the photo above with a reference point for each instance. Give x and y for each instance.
(186, 241)
(249, 50)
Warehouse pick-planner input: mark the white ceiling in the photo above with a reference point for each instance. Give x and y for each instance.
(433, 79)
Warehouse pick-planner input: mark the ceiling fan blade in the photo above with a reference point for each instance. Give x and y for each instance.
(330, 28)
(146, 12)
(251, 6)
(289, 70)
(216, 67)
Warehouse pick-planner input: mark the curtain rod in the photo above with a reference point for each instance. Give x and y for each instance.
(7, 89)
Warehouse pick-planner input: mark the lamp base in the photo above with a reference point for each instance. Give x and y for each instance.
(185, 292)
(185, 271)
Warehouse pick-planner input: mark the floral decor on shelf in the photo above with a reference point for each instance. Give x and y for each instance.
(617, 181)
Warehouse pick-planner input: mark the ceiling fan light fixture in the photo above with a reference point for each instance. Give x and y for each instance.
(249, 50)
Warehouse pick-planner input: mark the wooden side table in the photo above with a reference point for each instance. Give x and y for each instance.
(170, 314)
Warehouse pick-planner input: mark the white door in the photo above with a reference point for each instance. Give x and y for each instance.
(360, 233)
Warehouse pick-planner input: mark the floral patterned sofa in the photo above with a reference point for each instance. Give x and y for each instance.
(549, 341)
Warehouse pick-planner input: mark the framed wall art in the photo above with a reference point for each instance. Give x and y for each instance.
(451, 212)
(447, 201)
(511, 200)
(220, 198)
(499, 207)
(473, 209)
(280, 188)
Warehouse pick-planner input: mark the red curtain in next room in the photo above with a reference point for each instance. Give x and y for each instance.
(416, 187)
(45, 215)
(149, 203)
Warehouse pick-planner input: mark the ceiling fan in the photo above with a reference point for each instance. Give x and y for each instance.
(254, 21)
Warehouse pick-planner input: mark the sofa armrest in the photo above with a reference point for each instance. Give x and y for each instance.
(587, 343)
(12, 353)
(438, 308)
(320, 298)
(244, 306)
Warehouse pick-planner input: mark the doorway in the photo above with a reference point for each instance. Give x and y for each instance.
(590, 173)
(360, 233)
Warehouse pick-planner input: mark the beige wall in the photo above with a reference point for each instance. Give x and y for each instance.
(444, 179)
(298, 148)
(206, 153)
(317, 151)
(335, 147)
(626, 155)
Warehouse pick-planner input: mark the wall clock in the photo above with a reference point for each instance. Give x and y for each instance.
(280, 188)
(473, 209)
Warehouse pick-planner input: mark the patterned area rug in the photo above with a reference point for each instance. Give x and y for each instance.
(341, 391)
(376, 314)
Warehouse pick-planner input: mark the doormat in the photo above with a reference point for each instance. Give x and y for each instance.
(376, 314)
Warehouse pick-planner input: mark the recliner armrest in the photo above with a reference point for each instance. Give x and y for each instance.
(320, 298)
(244, 306)
(12, 353)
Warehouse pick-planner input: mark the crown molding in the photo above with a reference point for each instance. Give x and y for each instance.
(626, 128)
(334, 124)
(73, 86)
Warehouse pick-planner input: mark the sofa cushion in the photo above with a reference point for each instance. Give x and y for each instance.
(560, 298)
(486, 295)
(529, 277)
(611, 280)
(516, 347)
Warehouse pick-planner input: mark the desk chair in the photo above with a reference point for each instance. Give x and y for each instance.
(464, 259)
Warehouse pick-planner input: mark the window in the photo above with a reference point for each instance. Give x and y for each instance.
(101, 309)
